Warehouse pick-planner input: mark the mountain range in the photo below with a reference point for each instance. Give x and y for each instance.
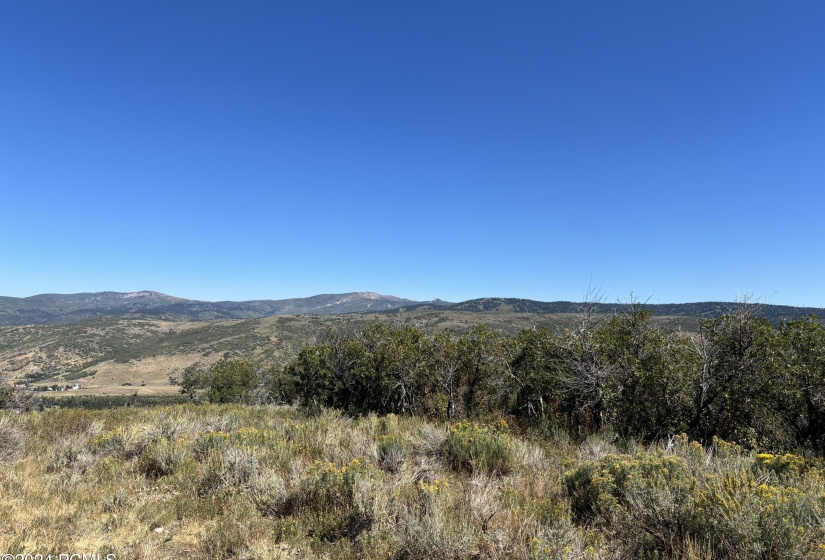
(55, 309)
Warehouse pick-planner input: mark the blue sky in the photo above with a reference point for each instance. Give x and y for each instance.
(246, 150)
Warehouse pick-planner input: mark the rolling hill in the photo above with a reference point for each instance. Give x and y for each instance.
(114, 343)
(59, 309)
(126, 355)
(707, 309)
(56, 309)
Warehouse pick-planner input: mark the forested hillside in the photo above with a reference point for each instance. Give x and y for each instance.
(57, 309)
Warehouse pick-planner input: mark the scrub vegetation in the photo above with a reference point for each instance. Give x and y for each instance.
(739, 377)
(612, 438)
(243, 481)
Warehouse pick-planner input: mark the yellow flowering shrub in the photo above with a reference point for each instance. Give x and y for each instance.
(339, 499)
(598, 489)
(783, 465)
(765, 519)
(474, 448)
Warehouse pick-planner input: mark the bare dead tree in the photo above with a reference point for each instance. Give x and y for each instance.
(341, 359)
(446, 363)
(584, 373)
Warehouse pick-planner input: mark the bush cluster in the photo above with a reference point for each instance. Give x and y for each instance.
(740, 378)
(733, 513)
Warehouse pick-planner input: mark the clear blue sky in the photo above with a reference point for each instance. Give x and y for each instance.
(243, 150)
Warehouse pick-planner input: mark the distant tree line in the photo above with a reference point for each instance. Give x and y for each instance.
(739, 378)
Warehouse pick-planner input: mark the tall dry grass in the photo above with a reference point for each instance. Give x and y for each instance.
(204, 481)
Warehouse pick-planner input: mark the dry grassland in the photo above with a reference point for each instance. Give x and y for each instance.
(262, 482)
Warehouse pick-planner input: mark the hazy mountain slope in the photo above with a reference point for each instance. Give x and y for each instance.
(66, 308)
(55, 309)
(51, 309)
(700, 309)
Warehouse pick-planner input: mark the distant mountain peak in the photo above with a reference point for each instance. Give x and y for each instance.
(69, 308)
(147, 293)
(54, 309)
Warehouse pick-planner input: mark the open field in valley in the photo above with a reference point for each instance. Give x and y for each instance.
(127, 356)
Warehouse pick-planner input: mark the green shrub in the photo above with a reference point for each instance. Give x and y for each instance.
(11, 439)
(116, 501)
(478, 449)
(230, 381)
(6, 395)
(268, 494)
(340, 500)
(654, 505)
(79, 375)
(597, 489)
(624, 492)
(161, 458)
(744, 517)
(99, 402)
(390, 453)
(68, 453)
(227, 469)
(430, 529)
(209, 442)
